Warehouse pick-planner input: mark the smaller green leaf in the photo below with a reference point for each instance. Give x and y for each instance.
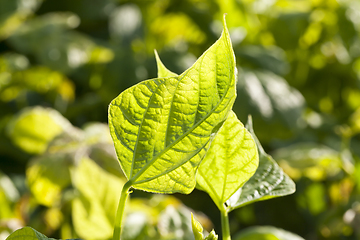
(269, 180)
(266, 233)
(212, 236)
(197, 228)
(27, 233)
(231, 160)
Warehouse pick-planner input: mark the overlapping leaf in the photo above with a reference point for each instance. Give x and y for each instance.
(231, 160)
(269, 180)
(162, 127)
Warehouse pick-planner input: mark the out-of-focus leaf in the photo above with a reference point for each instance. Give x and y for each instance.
(272, 59)
(14, 13)
(169, 28)
(49, 39)
(312, 160)
(269, 180)
(33, 128)
(93, 212)
(275, 106)
(47, 176)
(266, 233)
(154, 123)
(135, 226)
(97, 136)
(8, 195)
(28, 233)
(160, 217)
(174, 223)
(231, 160)
(10, 62)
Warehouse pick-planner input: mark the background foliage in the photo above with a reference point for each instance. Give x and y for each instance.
(62, 62)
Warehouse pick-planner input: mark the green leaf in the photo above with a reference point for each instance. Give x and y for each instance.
(231, 160)
(94, 210)
(43, 178)
(212, 236)
(269, 180)
(27, 233)
(162, 127)
(33, 128)
(266, 233)
(197, 228)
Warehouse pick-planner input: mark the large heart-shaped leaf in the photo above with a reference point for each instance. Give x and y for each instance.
(162, 127)
(269, 180)
(28, 233)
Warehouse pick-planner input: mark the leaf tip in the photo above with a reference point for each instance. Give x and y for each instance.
(224, 20)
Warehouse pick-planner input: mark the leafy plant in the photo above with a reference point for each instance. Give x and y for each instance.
(177, 132)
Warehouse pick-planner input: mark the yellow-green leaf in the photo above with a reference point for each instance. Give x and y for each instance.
(94, 210)
(231, 160)
(33, 128)
(197, 228)
(162, 127)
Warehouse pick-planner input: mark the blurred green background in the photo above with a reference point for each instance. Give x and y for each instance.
(62, 62)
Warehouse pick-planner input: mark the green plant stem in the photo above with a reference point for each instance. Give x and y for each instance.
(120, 211)
(225, 224)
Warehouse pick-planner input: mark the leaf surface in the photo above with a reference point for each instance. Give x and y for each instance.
(197, 228)
(266, 233)
(269, 180)
(27, 233)
(34, 127)
(231, 160)
(162, 127)
(93, 212)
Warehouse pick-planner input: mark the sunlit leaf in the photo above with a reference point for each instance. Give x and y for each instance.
(47, 176)
(266, 233)
(162, 127)
(231, 160)
(197, 228)
(269, 180)
(33, 128)
(94, 210)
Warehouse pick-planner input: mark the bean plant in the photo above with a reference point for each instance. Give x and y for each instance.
(175, 133)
